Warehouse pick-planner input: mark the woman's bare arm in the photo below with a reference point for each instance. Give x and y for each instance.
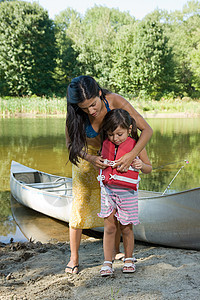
(97, 161)
(125, 161)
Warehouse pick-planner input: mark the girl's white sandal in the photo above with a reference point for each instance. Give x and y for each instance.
(107, 270)
(129, 267)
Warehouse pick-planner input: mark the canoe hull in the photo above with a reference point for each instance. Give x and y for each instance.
(170, 220)
(54, 203)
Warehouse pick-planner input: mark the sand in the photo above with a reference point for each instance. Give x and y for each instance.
(36, 271)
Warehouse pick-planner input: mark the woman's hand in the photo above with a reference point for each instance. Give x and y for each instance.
(98, 162)
(123, 163)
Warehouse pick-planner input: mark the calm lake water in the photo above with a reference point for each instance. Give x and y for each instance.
(40, 144)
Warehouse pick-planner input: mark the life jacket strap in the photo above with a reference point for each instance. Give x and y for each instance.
(100, 178)
(125, 179)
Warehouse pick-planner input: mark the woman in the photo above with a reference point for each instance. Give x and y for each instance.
(87, 104)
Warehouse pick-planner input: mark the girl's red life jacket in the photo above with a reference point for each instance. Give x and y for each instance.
(129, 179)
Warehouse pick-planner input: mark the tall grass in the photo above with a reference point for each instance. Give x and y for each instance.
(32, 105)
(10, 107)
(184, 105)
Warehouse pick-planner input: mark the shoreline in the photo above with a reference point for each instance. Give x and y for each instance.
(36, 271)
(145, 114)
(177, 115)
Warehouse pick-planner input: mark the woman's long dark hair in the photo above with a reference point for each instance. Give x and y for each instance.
(118, 117)
(80, 89)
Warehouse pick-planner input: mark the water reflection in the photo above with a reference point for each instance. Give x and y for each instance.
(38, 227)
(173, 141)
(8, 228)
(35, 226)
(37, 143)
(40, 144)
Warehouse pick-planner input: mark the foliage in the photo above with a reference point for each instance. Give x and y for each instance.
(120, 79)
(67, 65)
(93, 38)
(27, 49)
(151, 63)
(183, 28)
(153, 58)
(195, 64)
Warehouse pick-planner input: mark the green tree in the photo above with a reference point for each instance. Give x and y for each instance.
(120, 79)
(195, 66)
(93, 38)
(151, 63)
(182, 29)
(27, 49)
(67, 64)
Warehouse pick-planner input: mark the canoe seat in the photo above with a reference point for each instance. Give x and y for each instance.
(48, 185)
(59, 190)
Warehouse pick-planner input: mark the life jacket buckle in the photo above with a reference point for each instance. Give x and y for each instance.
(101, 177)
(109, 162)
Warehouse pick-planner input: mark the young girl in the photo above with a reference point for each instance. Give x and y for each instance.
(119, 195)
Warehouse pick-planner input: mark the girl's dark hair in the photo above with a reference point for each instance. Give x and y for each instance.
(80, 89)
(118, 117)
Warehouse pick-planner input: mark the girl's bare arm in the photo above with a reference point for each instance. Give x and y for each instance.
(142, 163)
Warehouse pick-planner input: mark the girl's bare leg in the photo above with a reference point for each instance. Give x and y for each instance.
(128, 240)
(75, 240)
(117, 253)
(110, 228)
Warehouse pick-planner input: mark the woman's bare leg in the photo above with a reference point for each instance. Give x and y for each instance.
(75, 240)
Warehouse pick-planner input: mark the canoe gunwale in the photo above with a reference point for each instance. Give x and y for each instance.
(161, 196)
(170, 219)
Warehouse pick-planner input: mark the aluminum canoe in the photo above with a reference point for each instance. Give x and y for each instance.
(43, 192)
(170, 219)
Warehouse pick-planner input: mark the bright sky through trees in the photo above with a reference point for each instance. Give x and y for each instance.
(138, 9)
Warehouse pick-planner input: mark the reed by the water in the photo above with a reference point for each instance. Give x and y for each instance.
(11, 106)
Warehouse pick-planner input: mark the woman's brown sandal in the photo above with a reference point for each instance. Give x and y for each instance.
(72, 270)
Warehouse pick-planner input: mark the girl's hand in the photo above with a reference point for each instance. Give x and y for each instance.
(98, 162)
(137, 164)
(123, 163)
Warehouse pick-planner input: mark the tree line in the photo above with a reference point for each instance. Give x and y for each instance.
(158, 56)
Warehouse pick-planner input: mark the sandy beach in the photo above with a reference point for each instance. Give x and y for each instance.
(36, 271)
(31, 271)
